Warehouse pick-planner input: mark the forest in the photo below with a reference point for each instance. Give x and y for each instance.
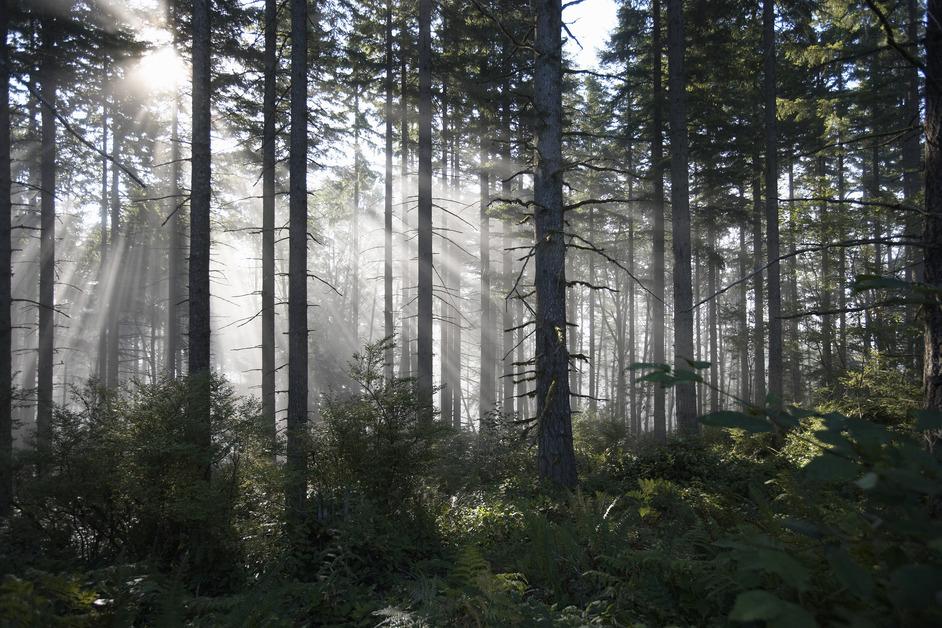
(470, 313)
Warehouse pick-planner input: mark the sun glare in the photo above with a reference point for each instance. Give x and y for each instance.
(160, 70)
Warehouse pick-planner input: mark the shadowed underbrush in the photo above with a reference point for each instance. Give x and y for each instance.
(830, 520)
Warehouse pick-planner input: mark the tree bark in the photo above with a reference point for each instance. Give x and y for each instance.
(776, 374)
(658, 246)
(445, 303)
(296, 455)
(487, 391)
(758, 371)
(268, 219)
(424, 300)
(744, 392)
(685, 393)
(355, 281)
(713, 312)
(557, 462)
(932, 236)
(103, 238)
(174, 289)
(6, 276)
(912, 171)
(47, 248)
(388, 325)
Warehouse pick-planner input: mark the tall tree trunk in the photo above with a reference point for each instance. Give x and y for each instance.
(103, 238)
(507, 319)
(405, 355)
(455, 353)
(47, 248)
(487, 393)
(557, 462)
(827, 326)
(118, 249)
(445, 303)
(388, 325)
(744, 391)
(793, 296)
(296, 482)
(424, 335)
(713, 312)
(6, 276)
(634, 421)
(933, 229)
(593, 361)
(174, 253)
(776, 370)
(355, 282)
(757, 286)
(686, 393)
(658, 247)
(841, 269)
(268, 219)
(875, 323)
(912, 171)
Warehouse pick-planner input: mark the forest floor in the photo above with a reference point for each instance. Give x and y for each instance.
(834, 523)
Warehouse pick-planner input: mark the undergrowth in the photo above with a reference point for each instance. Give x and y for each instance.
(779, 518)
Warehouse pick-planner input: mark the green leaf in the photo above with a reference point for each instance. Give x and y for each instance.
(697, 364)
(830, 468)
(857, 580)
(876, 282)
(732, 419)
(658, 377)
(928, 419)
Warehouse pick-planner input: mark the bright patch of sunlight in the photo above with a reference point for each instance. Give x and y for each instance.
(161, 70)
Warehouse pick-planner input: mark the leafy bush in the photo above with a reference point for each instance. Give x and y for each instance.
(120, 483)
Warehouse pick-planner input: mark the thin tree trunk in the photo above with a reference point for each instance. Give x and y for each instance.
(296, 458)
(447, 320)
(776, 374)
(658, 247)
(685, 393)
(355, 283)
(507, 320)
(757, 287)
(268, 219)
(593, 361)
(405, 355)
(827, 327)
(174, 253)
(388, 325)
(713, 312)
(557, 462)
(634, 423)
(933, 228)
(744, 392)
(912, 171)
(103, 240)
(487, 393)
(793, 297)
(47, 249)
(424, 335)
(6, 277)
(118, 249)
